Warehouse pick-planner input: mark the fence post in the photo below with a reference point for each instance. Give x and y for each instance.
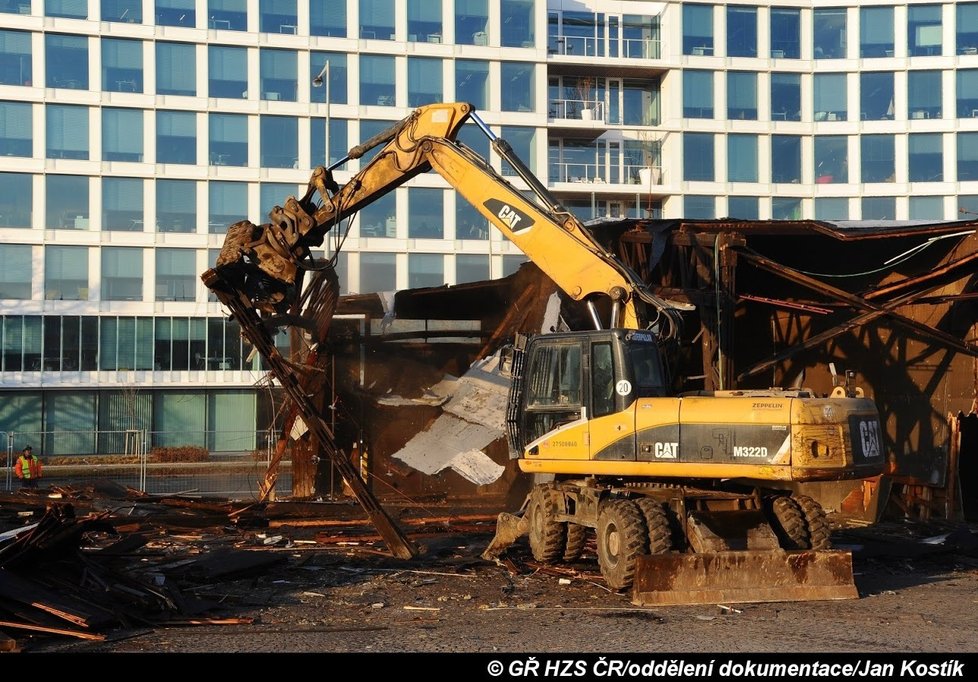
(141, 448)
(9, 438)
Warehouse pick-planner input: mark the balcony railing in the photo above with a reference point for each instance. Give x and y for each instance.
(589, 46)
(576, 109)
(597, 173)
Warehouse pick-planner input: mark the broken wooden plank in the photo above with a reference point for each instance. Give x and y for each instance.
(52, 631)
(8, 644)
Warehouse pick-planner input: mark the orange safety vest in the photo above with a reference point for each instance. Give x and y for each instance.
(28, 467)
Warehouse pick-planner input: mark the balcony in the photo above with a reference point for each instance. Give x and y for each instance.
(589, 46)
(576, 110)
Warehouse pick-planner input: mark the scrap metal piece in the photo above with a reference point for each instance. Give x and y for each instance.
(743, 577)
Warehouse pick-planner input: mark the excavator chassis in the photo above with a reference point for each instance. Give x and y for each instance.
(680, 546)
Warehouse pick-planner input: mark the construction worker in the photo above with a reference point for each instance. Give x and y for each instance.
(28, 467)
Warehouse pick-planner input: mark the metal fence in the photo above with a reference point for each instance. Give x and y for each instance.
(141, 459)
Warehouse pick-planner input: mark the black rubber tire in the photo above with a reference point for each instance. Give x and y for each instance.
(548, 536)
(576, 539)
(788, 523)
(622, 539)
(819, 533)
(657, 522)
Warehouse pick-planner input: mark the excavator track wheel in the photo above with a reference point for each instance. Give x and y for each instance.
(788, 522)
(819, 533)
(548, 537)
(576, 539)
(657, 521)
(622, 538)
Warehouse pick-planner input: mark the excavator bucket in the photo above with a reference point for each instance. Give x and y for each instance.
(743, 577)
(509, 529)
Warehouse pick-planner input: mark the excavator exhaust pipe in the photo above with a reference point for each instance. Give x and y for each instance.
(736, 577)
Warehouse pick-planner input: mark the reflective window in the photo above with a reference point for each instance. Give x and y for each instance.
(425, 270)
(697, 29)
(377, 19)
(379, 218)
(699, 207)
(122, 274)
(279, 141)
(785, 97)
(66, 202)
(15, 6)
(875, 32)
(426, 213)
(16, 129)
(786, 208)
(128, 11)
(471, 268)
(743, 208)
(878, 160)
(521, 140)
(227, 72)
(16, 199)
(176, 70)
(424, 21)
(122, 204)
(228, 15)
(338, 140)
(67, 131)
(697, 94)
(378, 272)
(517, 29)
(924, 30)
(926, 157)
(741, 31)
(967, 27)
(75, 9)
(831, 208)
(66, 273)
(640, 102)
(227, 203)
(472, 83)
(15, 58)
(967, 92)
(176, 274)
(741, 158)
(337, 77)
(176, 13)
(472, 22)
(176, 137)
(66, 61)
(742, 95)
(272, 194)
(377, 80)
(831, 159)
(122, 134)
(876, 95)
(512, 263)
(424, 81)
(277, 16)
(924, 94)
(469, 223)
(785, 158)
(122, 65)
(368, 130)
(278, 74)
(228, 139)
(830, 97)
(785, 33)
(829, 33)
(17, 271)
(926, 208)
(327, 18)
(176, 206)
(967, 156)
(967, 205)
(698, 156)
(879, 208)
(517, 86)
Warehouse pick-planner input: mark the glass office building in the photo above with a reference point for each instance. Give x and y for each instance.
(133, 132)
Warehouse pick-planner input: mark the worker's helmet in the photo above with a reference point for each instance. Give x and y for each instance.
(28, 449)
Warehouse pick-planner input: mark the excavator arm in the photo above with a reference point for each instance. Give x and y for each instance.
(263, 261)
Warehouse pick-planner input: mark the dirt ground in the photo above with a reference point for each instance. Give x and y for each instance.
(914, 596)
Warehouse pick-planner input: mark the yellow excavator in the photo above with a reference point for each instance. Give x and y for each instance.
(687, 495)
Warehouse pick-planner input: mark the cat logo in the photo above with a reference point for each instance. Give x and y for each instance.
(869, 436)
(510, 217)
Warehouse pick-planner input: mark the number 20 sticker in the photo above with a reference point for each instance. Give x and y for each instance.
(623, 387)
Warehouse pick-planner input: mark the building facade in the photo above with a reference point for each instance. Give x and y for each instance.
(133, 132)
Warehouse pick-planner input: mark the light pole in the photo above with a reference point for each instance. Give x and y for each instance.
(323, 77)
